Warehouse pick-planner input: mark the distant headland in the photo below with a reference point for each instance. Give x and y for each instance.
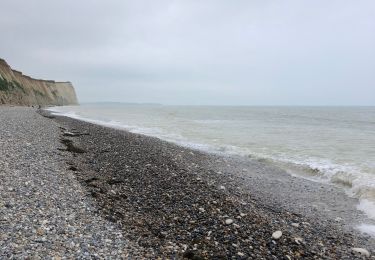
(19, 89)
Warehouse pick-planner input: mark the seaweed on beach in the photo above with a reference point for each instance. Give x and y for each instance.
(70, 147)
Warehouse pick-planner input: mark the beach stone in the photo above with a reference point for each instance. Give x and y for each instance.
(298, 240)
(361, 251)
(277, 234)
(67, 133)
(228, 221)
(338, 219)
(40, 232)
(295, 224)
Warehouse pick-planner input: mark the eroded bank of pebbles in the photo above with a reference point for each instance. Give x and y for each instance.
(169, 203)
(45, 212)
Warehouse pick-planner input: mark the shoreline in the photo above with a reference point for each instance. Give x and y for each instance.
(78, 190)
(330, 173)
(118, 163)
(354, 219)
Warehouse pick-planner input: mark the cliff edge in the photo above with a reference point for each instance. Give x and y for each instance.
(19, 89)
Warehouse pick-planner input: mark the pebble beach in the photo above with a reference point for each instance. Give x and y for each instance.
(72, 189)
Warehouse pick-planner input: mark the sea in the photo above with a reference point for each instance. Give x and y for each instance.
(334, 145)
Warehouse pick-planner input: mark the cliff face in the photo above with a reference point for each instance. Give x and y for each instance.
(19, 89)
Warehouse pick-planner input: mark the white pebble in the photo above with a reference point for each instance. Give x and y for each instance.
(295, 224)
(361, 251)
(228, 221)
(277, 234)
(67, 133)
(298, 240)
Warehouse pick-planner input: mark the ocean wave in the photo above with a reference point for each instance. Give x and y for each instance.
(357, 184)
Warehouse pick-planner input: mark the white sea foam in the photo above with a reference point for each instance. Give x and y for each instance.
(367, 229)
(368, 207)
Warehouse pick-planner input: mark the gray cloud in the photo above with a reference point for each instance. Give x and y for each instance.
(198, 52)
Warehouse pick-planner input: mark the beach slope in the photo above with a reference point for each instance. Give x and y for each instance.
(44, 211)
(74, 189)
(178, 202)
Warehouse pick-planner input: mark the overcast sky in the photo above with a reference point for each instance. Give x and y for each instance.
(290, 52)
